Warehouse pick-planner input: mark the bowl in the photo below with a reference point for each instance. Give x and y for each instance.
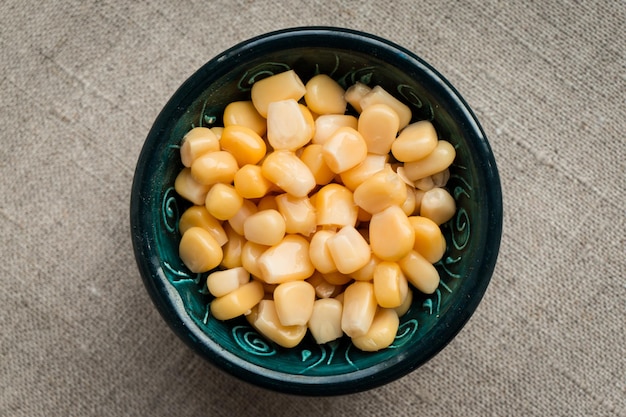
(336, 368)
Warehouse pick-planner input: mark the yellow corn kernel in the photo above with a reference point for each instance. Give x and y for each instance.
(244, 144)
(247, 209)
(250, 254)
(419, 272)
(199, 250)
(391, 235)
(250, 182)
(334, 205)
(436, 161)
(438, 205)
(196, 142)
(324, 95)
(198, 216)
(349, 250)
(339, 297)
(289, 125)
(379, 95)
(355, 93)
(429, 241)
(287, 261)
(243, 113)
(381, 333)
(265, 227)
(366, 273)
(372, 164)
(359, 308)
(267, 203)
(217, 130)
(213, 167)
(409, 205)
(288, 172)
(323, 288)
(345, 149)
(294, 302)
(319, 253)
(415, 141)
(223, 201)
(264, 318)
(383, 189)
(283, 86)
(390, 285)
(232, 248)
(237, 302)
(327, 124)
(379, 124)
(220, 283)
(313, 157)
(402, 309)
(325, 321)
(298, 212)
(190, 189)
(337, 278)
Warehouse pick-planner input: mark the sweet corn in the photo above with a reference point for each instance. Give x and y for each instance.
(290, 125)
(436, 161)
(337, 278)
(250, 254)
(381, 333)
(372, 164)
(264, 318)
(390, 285)
(325, 321)
(265, 227)
(419, 272)
(223, 201)
(429, 241)
(217, 130)
(403, 308)
(366, 273)
(198, 216)
(220, 283)
(213, 167)
(438, 205)
(196, 142)
(243, 113)
(313, 157)
(294, 302)
(349, 250)
(232, 248)
(247, 209)
(324, 95)
(355, 93)
(319, 253)
(250, 182)
(287, 261)
(383, 189)
(345, 149)
(334, 205)
(323, 288)
(327, 124)
(415, 141)
(379, 124)
(283, 86)
(244, 144)
(379, 95)
(199, 250)
(359, 308)
(391, 235)
(409, 207)
(288, 172)
(237, 302)
(267, 203)
(190, 189)
(298, 212)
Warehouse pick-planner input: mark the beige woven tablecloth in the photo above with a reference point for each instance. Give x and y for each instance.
(81, 83)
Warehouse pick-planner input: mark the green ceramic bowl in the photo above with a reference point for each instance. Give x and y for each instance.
(473, 235)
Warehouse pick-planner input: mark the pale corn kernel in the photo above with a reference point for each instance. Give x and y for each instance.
(264, 318)
(250, 254)
(436, 161)
(327, 124)
(196, 142)
(425, 183)
(359, 308)
(237, 302)
(429, 241)
(198, 216)
(190, 189)
(391, 235)
(406, 304)
(379, 124)
(339, 297)
(247, 209)
(313, 158)
(324, 95)
(381, 333)
(378, 95)
(345, 149)
(440, 179)
(337, 278)
(298, 212)
(419, 195)
(355, 176)
(232, 248)
(289, 126)
(294, 302)
(366, 273)
(250, 182)
(438, 205)
(383, 189)
(283, 86)
(390, 285)
(220, 283)
(243, 113)
(323, 288)
(288, 172)
(199, 250)
(349, 250)
(213, 167)
(334, 205)
(415, 141)
(265, 227)
(223, 201)
(409, 205)
(287, 261)
(419, 272)
(244, 144)
(319, 253)
(268, 202)
(218, 130)
(355, 93)
(325, 321)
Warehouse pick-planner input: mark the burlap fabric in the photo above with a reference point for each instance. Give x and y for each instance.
(80, 85)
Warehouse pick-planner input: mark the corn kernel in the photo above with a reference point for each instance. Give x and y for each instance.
(359, 308)
(355, 93)
(213, 167)
(289, 125)
(349, 250)
(232, 248)
(199, 216)
(267, 203)
(324, 95)
(366, 273)
(381, 333)
(345, 149)
(379, 95)
(379, 124)
(199, 250)
(323, 288)
(190, 189)
(334, 205)
(247, 209)
(223, 201)
(220, 283)
(403, 308)
(244, 144)
(438, 205)
(319, 253)
(243, 113)
(298, 212)
(436, 161)
(283, 86)
(415, 141)
(337, 278)
(288, 172)
(250, 182)
(383, 189)
(250, 254)
(429, 241)
(391, 235)
(313, 157)
(325, 321)
(419, 272)
(237, 302)
(372, 164)
(327, 124)
(264, 318)
(390, 285)
(196, 142)
(265, 227)
(294, 302)
(287, 261)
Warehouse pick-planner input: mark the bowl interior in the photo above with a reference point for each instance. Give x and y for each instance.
(473, 235)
